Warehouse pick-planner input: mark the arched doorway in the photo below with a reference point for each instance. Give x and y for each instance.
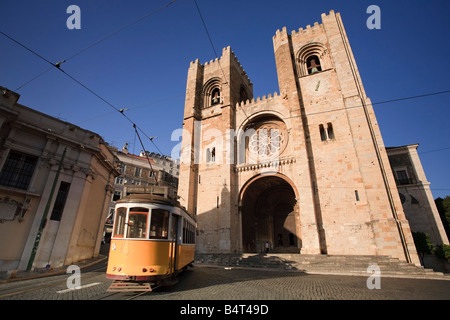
(269, 214)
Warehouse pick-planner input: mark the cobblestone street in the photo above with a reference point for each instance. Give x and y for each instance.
(205, 283)
(219, 283)
(277, 292)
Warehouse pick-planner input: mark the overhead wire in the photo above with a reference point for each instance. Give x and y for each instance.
(57, 65)
(98, 41)
(213, 48)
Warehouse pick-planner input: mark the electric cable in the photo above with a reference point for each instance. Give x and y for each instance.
(98, 41)
(57, 65)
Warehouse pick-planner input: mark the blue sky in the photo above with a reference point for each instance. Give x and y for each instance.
(144, 67)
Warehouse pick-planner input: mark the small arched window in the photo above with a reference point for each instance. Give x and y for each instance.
(312, 58)
(212, 93)
(313, 64)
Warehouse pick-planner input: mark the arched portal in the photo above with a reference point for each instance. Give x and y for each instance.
(270, 214)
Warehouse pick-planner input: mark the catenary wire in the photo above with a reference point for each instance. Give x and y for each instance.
(99, 41)
(241, 104)
(84, 86)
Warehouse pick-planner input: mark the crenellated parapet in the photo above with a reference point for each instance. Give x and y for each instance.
(249, 103)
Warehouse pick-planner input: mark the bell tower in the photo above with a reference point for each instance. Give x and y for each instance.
(305, 170)
(354, 191)
(207, 178)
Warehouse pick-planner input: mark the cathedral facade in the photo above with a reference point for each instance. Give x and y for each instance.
(304, 170)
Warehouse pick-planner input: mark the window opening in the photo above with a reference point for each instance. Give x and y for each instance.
(116, 195)
(402, 177)
(323, 134)
(188, 232)
(330, 131)
(215, 96)
(159, 225)
(60, 201)
(313, 65)
(119, 221)
(137, 223)
(137, 172)
(18, 170)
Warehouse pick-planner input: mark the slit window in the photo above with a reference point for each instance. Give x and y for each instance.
(323, 134)
(330, 131)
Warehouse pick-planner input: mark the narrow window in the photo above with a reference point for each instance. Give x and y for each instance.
(356, 195)
(119, 222)
(18, 170)
(313, 65)
(323, 134)
(60, 201)
(137, 172)
(330, 131)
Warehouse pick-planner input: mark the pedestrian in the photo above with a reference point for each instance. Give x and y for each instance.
(267, 246)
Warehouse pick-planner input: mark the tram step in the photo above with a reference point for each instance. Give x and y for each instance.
(123, 286)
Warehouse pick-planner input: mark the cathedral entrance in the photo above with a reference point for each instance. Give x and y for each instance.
(269, 215)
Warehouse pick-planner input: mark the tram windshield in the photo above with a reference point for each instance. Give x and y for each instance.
(137, 223)
(136, 227)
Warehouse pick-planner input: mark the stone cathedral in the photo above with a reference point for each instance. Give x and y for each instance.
(304, 170)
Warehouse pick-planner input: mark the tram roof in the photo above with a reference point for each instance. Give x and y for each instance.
(148, 198)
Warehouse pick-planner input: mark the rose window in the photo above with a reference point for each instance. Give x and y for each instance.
(266, 142)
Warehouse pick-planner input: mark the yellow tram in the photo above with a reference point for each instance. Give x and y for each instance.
(153, 239)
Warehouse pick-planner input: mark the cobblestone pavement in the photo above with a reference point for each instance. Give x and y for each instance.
(225, 284)
(218, 283)
(205, 283)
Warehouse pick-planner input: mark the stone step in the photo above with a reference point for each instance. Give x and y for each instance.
(336, 264)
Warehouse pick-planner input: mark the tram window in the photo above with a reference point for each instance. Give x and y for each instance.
(159, 226)
(188, 232)
(120, 222)
(137, 223)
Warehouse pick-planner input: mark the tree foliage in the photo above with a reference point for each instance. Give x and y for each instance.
(443, 206)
